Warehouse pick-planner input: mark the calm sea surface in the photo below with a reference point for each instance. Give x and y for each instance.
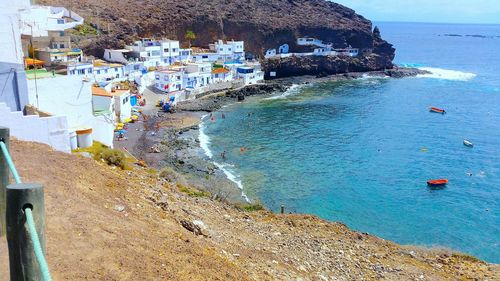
(360, 152)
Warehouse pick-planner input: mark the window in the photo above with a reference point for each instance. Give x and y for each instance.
(165, 50)
(166, 78)
(61, 33)
(106, 71)
(230, 49)
(81, 71)
(61, 46)
(60, 21)
(204, 57)
(98, 72)
(175, 50)
(90, 70)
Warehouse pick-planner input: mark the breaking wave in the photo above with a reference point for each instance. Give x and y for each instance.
(204, 142)
(445, 74)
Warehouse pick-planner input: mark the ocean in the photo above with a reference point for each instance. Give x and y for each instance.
(360, 152)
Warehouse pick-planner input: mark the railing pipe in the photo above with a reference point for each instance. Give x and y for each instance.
(25, 214)
(4, 179)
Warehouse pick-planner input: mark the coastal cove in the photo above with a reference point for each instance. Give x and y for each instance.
(360, 151)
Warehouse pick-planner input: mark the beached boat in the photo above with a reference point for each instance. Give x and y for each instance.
(438, 182)
(437, 110)
(468, 143)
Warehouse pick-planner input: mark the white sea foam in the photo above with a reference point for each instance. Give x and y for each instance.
(204, 139)
(294, 89)
(445, 74)
(204, 142)
(232, 177)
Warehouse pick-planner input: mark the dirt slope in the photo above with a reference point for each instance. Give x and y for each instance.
(90, 237)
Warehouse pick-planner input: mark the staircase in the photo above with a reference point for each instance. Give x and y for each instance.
(51, 130)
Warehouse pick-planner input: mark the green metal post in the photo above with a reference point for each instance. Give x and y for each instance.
(22, 260)
(4, 179)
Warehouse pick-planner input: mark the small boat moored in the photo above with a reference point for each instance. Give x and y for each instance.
(437, 110)
(468, 143)
(438, 182)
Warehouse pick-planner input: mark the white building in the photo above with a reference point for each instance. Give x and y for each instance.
(59, 56)
(10, 30)
(83, 69)
(122, 56)
(170, 51)
(70, 96)
(308, 41)
(222, 51)
(185, 55)
(250, 74)
(114, 100)
(169, 80)
(104, 71)
(37, 21)
(221, 74)
(229, 50)
(203, 70)
(147, 51)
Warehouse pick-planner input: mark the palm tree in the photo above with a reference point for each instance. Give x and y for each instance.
(190, 35)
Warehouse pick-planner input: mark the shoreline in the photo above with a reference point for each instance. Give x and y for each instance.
(173, 139)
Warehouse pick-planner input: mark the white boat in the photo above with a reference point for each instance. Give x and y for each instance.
(468, 143)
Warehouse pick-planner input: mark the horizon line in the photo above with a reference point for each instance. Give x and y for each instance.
(430, 22)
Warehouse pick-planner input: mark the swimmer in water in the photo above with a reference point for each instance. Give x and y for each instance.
(223, 154)
(223, 116)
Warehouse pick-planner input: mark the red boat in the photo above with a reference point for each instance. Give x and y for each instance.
(437, 110)
(438, 182)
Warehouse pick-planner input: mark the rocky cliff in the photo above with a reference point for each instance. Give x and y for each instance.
(262, 24)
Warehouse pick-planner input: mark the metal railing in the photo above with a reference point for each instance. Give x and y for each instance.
(22, 217)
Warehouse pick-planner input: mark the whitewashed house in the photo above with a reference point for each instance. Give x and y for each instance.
(168, 80)
(170, 51)
(221, 74)
(147, 51)
(70, 96)
(37, 21)
(270, 53)
(122, 56)
(112, 99)
(104, 71)
(185, 55)
(203, 71)
(308, 41)
(84, 69)
(250, 74)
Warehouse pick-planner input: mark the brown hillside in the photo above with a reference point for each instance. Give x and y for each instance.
(91, 238)
(261, 23)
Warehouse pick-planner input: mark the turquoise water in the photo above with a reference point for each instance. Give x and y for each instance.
(361, 151)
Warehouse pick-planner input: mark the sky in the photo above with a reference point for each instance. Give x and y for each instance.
(445, 11)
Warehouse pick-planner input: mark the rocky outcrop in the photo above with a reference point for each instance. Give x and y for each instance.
(262, 24)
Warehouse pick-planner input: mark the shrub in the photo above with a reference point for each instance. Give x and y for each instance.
(191, 191)
(170, 175)
(250, 207)
(113, 157)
